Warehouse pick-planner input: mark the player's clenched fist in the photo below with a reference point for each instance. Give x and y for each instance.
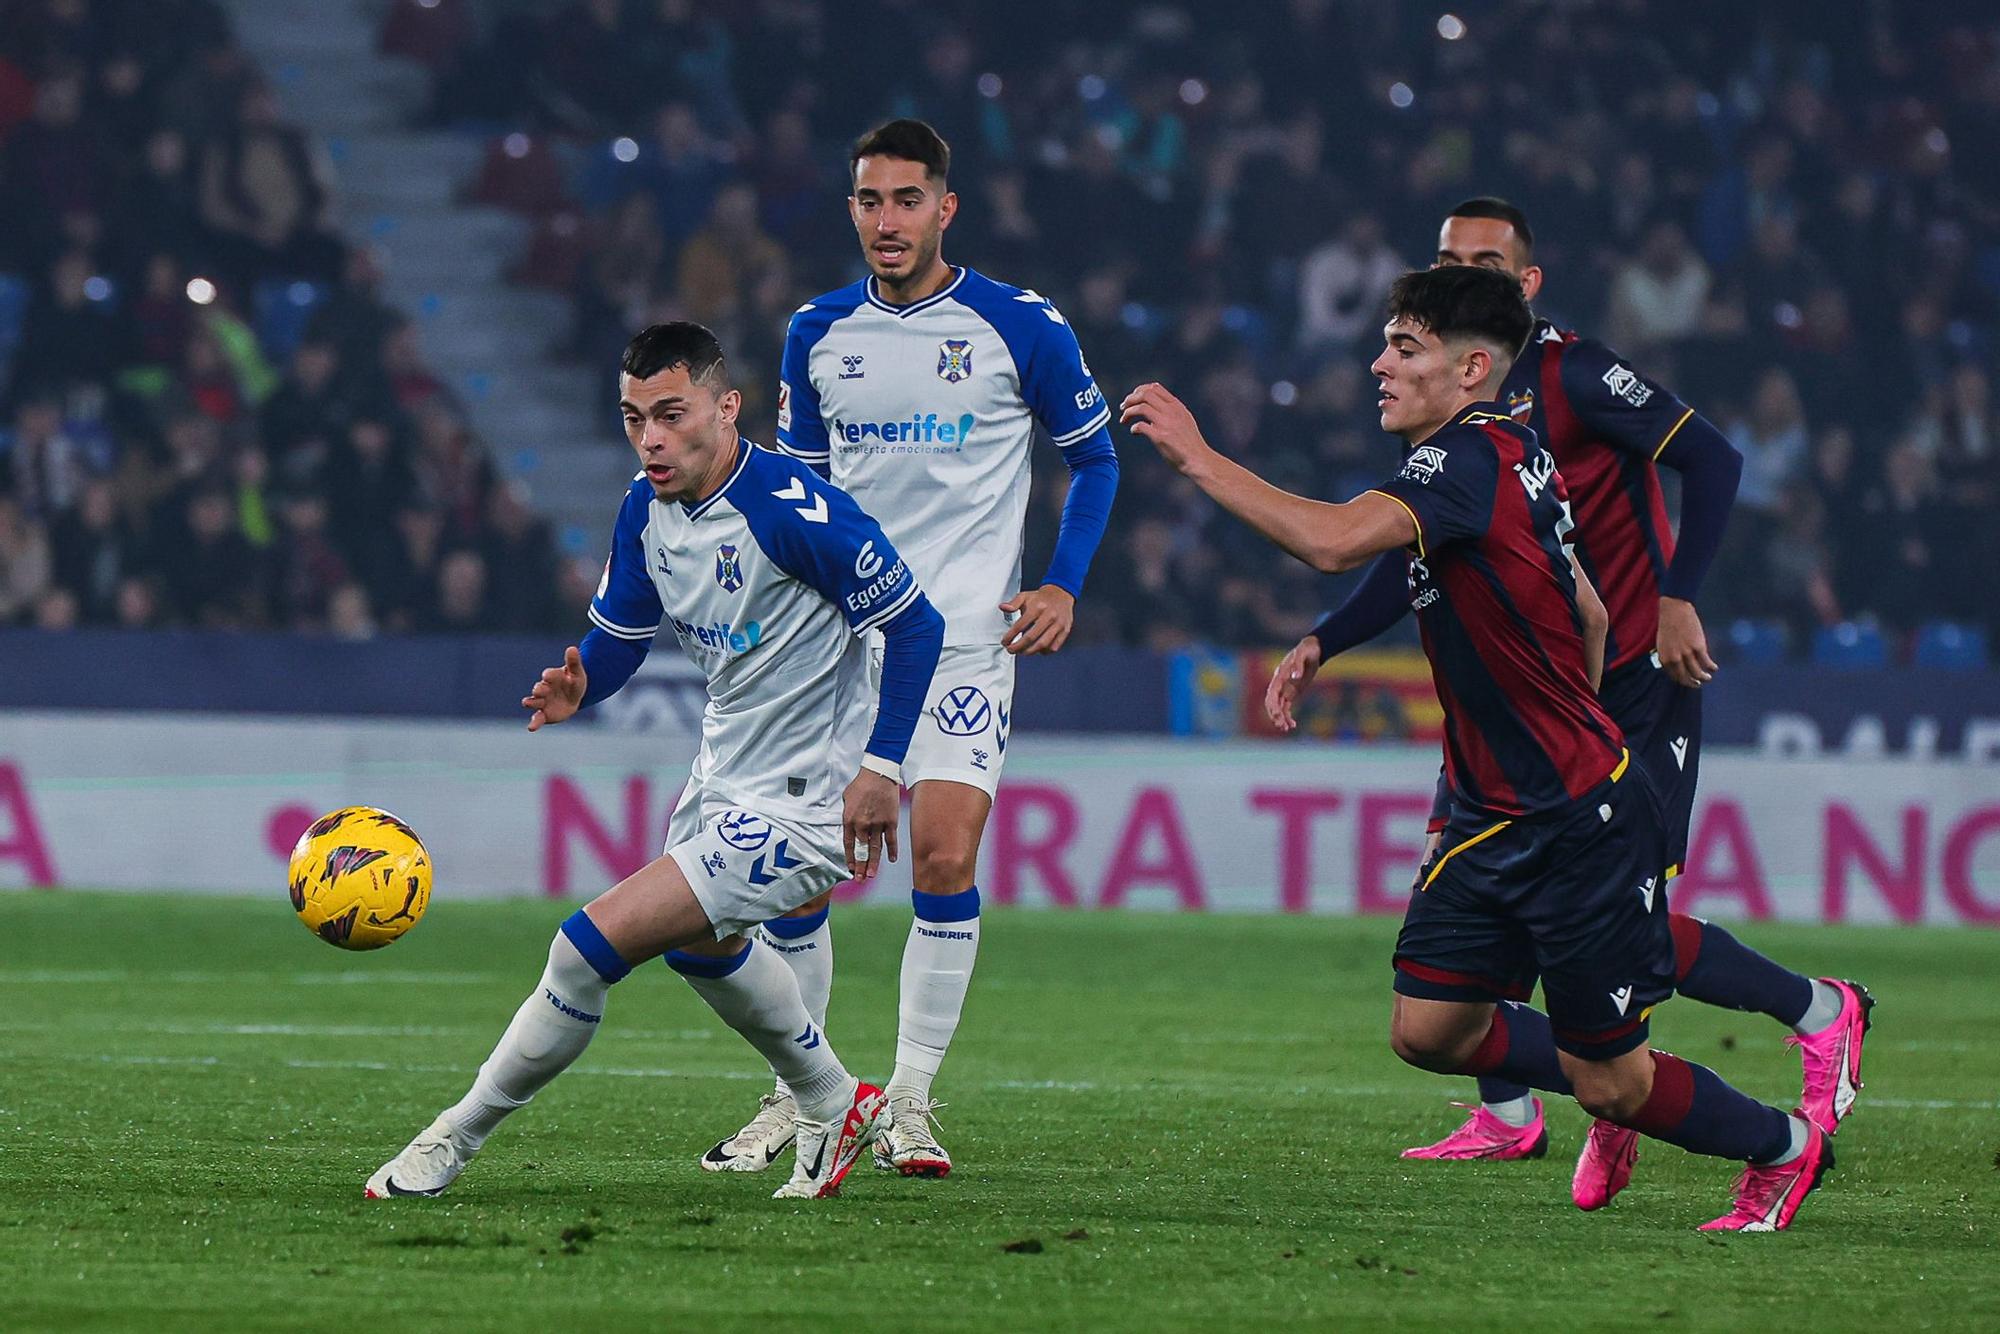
(1294, 674)
(559, 694)
(1154, 414)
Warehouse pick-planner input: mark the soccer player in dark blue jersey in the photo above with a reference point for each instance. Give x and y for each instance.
(1609, 426)
(1549, 867)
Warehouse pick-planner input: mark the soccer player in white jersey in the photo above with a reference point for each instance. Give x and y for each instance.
(918, 391)
(770, 577)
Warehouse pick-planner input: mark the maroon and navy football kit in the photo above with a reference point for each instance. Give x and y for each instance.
(1607, 426)
(1550, 864)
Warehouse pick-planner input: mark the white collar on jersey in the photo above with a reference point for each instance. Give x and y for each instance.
(743, 448)
(904, 312)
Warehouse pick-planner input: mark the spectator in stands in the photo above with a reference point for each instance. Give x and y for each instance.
(309, 565)
(1774, 443)
(95, 552)
(264, 193)
(25, 564)
(1342, 285)
(461, 592)
(1659, 296)
(214, 578)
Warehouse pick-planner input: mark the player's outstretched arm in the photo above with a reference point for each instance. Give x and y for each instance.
(1330, 538)
(559, 693)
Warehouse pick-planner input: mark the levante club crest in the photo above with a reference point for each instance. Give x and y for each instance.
(954, 359)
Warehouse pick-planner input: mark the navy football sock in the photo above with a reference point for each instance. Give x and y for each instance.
(1494, 1091)
(1716, 968)
(1520, 1048)
(1690, 1106)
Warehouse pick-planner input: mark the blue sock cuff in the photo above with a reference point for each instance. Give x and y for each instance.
(791, 928)
(706, 965)
(594, 948)
(961, 907)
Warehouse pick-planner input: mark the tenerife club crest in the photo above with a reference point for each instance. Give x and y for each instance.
(728, 568)
(954, 360)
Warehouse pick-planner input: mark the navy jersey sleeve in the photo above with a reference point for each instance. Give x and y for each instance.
(627, 605)
(1056, 383)
(1616, 404)
(801, 432)
(1448, 485)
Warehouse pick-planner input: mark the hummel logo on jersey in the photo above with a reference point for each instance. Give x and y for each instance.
(867, 564)
(1624, 382)
(955, 360)
(850, 367)
(1679, 746)
(813, 513)
(1622, 998)
(1424, 463)
(1648, 890)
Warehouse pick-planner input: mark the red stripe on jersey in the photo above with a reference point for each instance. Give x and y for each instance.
(1525, 730)
(1621, 518)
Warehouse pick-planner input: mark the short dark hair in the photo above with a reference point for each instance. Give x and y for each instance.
(1492, 206)
(910, 140)
(677, 343)
(1465, 301)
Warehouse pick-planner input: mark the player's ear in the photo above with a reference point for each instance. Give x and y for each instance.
(947, 209)
(728, 405)
(1476, 367)
(1531, 283)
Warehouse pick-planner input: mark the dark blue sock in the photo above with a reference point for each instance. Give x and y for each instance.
(1692, 1107)
(1493, 1091)
(1520, 1049)
(1716, 968)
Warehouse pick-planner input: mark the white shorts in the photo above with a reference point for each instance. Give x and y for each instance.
(962, 735)
(746, 867)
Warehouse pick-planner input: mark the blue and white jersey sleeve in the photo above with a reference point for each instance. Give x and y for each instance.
(816, 533)
(1056, 383)
(627, 604)
(801, 429)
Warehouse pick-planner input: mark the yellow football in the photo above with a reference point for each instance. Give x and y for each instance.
(360, 878)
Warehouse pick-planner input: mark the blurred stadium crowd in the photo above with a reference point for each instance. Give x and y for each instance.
(1802, 238)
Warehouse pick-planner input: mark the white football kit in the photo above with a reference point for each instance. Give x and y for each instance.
(926, 413)
(770, 586)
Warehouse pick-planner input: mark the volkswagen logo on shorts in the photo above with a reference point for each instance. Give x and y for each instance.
(741, 829)
(963, 712)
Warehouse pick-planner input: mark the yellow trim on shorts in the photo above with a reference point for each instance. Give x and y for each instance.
(1479, 837)
(1376, 491)
(1661, 448)
(1675, 870)
(1624, 762)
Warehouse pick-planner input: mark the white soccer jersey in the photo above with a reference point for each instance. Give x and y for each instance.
(770, 585)
(925, 413)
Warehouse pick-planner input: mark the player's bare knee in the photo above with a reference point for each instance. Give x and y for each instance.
(1610, 1091)
(1428, 1047)
(810, 906)
(949, 869)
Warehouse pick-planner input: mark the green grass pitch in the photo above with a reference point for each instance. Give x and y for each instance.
(1160, 1122)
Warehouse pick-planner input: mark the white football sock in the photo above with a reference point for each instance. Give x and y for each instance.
(810, 957)
(549, 1031)
(1516, 1112)
(937, 970)
(759, 998)
(1826, 1005)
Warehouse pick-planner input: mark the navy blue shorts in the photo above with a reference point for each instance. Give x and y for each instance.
(1574, 898)
(1661, 720)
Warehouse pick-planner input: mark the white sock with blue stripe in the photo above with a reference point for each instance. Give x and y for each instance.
(806, 946)
(549, 1031)
(937, 970)
(756, 994)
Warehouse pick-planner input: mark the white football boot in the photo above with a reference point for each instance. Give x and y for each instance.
(826, 1150)
(426, 1166)
(756, 1146)
(907, 1144)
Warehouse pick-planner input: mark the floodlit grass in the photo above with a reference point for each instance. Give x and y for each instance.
(1159, 1122)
